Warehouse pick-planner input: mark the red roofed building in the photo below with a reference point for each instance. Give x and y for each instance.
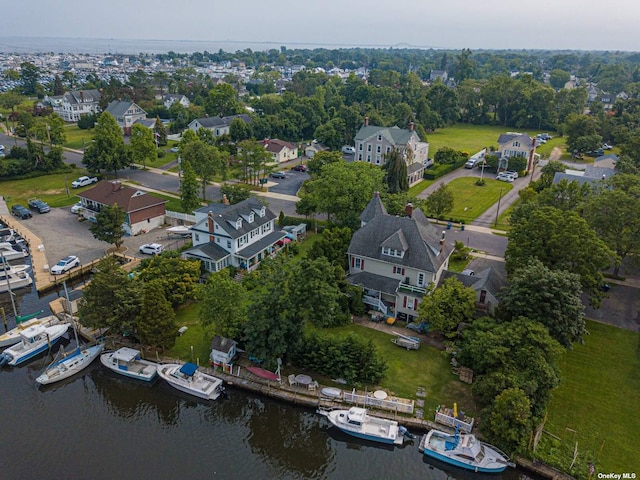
(280, 150)
(143, 210)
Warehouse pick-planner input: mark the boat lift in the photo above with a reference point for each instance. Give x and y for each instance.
(405, 341)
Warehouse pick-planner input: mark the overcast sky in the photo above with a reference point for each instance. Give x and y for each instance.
(475, 24)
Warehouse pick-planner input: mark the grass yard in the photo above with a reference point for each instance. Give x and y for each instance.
(195, 336)
(420, 187)
(49, 188)
(426, 367)
(76, 137)
(597, 403)
(471, 200)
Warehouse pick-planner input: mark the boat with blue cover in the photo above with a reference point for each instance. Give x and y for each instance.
(465, 451)
(188, 379)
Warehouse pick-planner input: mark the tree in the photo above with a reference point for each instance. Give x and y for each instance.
(558, 78)
(222, 101)
(321, 159)
(156, 321)
(111, 299)
(614, 213)
(239, 130)
(447, 306)
(107, 150)
(333, 245)
(235, 193)
(189, 194)
(561, 241)
(29, 77)
(577, 127)
(142, 145)
(223, 305)
(344, 189)
(178, 277)
(551, 297)
(108, 226)
(508, 420)
(547, 173)
(253, 161)
(206, 161)
(440, 202)
(396, 172)
(159, 133)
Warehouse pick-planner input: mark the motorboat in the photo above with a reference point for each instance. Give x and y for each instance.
(357, 422)
(13, 278)
(465, 451)
(188, 379)
(128, 362)
(9, 252)
(13, 336)
(33, 340)
(69, 364)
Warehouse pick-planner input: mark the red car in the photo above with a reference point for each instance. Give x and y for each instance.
(300, 168)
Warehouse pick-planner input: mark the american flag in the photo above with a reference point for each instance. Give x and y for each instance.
(592, 469)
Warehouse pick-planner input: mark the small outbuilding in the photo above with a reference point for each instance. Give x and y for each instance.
(223, 350)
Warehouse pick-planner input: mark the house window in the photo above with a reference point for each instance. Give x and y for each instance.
(377, 159)
(369, 158)
(379, 149)
(360, 157)
(238, 224)
(421, 279)
(392, 252)
(369, 148)
(357, 263)
(215, 226)
(387, 150)
(516, 144)
(360, 146)
(197, 237)
(398, 270)
(228, 243)
(379, 138)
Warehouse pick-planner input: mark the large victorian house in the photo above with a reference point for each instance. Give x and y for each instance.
(394, 259)
(374, 143)
(126, 114)
(240, 235)
(514, 144)
(72, 105)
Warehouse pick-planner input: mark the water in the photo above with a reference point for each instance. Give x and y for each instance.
(15, 44)
(99, 425)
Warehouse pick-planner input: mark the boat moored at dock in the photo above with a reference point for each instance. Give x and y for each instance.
(70, 364)
(357, 422)
(33, 340)
(128, 362)
(188, 379)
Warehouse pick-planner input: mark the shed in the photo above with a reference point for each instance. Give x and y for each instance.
(223, 350)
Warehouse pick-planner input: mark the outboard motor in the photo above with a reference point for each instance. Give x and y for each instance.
(4, 359)
(406, 433)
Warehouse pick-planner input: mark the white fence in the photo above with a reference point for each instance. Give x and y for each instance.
(185, 217)
(400, 405)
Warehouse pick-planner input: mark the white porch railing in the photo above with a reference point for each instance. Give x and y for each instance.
(375, 302)
(185, 217)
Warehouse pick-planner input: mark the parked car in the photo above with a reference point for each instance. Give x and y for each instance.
(596, 153)
(66, 264)
(76, 207)
(300, 168)
(278, 174)
(151, 248)
(84, 181)
(38, 205)
(471, 163)
(513, 173)
(1, 148)
(348, 150)
(606, 146)
(505, 177)
(174, 150)
(20, 211)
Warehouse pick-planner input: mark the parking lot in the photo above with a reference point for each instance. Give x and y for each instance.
(62, 235)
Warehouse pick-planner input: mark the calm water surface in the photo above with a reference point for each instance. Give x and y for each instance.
(101, 426)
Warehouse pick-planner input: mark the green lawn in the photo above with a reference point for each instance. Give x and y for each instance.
(597, 403)
(195, 336)
(409, 369)
(49, 188)
(77, 138)
(471, 200)
(419, 187)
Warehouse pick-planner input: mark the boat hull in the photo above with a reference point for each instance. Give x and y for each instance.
(138, 369)
(438, 448)
(200, 385)
(70, 365)
(55, 333)
(374, 429)
(13, 336)
(466, 466)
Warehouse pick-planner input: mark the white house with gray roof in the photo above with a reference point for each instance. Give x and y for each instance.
(394, 259)
(217, 125)
(72, 105)
(373, 143)
(240, 235)
(516, 144)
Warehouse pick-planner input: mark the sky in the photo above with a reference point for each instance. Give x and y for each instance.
(451, 24)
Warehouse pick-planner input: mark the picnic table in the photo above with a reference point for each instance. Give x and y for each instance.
(302, 379)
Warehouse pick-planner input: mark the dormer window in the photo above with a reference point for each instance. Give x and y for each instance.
(392, 252)
(238, 224)
(251, 217)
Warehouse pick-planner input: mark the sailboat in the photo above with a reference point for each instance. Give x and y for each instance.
(68, 364)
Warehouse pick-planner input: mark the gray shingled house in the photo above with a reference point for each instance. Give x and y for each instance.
(394, 259)
(126, 113)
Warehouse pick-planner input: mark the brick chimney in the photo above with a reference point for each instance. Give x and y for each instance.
(442, 241)
(81, 96)
(366, 121)
(212, 238)
(411, 125)
(408, 210)
(115, 186)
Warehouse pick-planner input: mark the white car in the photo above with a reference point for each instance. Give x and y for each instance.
(151, 248)
(84, 181)
(505, 177)
(66, 264)
(513, 173)
(76, 207)
(348, 150)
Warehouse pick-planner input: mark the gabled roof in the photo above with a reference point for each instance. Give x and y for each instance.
(212, 122)
(396, 241)
(524, 138)
(226, 217)
(207, 251)
(374, 207)
(275, 145)
(76, 97)
(129, 199)
(422, 239)
(222, 344)
(119, 108)
(395, 135)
